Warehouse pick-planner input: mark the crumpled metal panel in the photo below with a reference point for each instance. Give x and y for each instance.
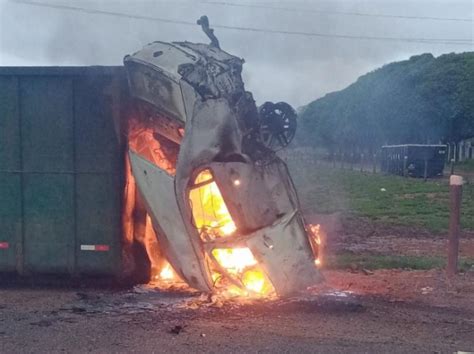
(250, 202)
(284, 252)
(151, 86)
(212, 130)
(212, 134)
(157, 189)
(221, 135)
(264, 192)
(166, 57)
(265, 196)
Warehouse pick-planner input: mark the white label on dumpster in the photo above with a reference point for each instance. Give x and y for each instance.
(100, 248)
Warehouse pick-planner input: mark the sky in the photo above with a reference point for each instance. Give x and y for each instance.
(278, 67)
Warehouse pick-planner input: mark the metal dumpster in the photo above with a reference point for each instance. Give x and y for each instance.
(415, 160)
(61, 170)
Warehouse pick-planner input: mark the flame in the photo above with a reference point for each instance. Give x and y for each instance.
(209, 209)
(234, 260)
(241, 265)
(138, 229)
(143, 141)
(315, 233)
(239, 273)
(315, 240)
(167, 273)
(213, 220)
(166, 278)
(254, 281)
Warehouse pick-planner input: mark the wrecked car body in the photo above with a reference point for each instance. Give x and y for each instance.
(222, 203)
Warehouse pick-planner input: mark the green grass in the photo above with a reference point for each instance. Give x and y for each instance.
(465, 166)
(372, 262)
(405, 201)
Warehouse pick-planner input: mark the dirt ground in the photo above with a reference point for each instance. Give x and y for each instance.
(355, 310)
(362, 236)
(387, 311)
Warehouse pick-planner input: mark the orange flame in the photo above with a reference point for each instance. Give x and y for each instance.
(213, 220)
(209, 209)
(315, 240)
(236, 272)
(167, 273)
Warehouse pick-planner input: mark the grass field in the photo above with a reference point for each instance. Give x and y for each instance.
(387, 199)
(373, 262)
(465, 166)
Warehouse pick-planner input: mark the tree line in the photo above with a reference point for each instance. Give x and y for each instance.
(423, 100)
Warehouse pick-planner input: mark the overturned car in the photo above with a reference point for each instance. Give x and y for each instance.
(220, 201)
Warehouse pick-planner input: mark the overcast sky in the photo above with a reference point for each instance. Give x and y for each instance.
(297, 69)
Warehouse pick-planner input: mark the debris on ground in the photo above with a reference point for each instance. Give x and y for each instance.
(176, 329)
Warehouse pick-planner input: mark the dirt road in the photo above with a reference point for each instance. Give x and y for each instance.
(388, 311)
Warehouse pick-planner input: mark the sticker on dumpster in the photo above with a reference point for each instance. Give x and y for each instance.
(4, 245)
(99, 248)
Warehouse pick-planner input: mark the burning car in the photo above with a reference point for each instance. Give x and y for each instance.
(219, 200)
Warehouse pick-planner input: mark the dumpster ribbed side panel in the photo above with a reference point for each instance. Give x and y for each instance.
(10, 179)
(48, 167)
(49, 223)
(9, 124)
(98, 182)
(47, 124)
(98, 224)
(61, 171)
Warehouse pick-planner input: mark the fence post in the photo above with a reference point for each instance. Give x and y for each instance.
(374, 168)
(405, 160)
(425, 173)
(448, 155)
(362, 162)
(452, 166)
(455, 191)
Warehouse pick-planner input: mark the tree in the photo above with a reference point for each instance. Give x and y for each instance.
(420, 100)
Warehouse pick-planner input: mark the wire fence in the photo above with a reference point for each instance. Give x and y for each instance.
(363, 162)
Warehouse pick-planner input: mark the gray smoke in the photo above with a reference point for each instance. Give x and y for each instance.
(278, 67)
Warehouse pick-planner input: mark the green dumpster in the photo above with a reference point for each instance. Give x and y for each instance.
(61, 170)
